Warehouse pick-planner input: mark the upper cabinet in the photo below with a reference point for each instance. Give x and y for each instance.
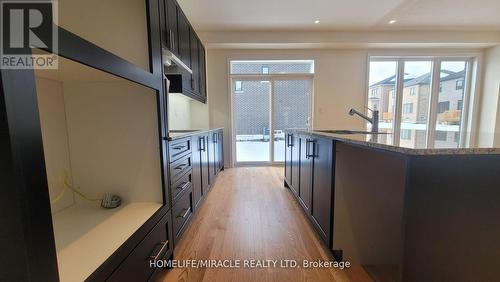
(179, 37)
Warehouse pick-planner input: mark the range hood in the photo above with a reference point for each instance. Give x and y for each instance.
(170, 60)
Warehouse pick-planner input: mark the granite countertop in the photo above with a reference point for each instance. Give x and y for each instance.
(177, 134)
(360, 140)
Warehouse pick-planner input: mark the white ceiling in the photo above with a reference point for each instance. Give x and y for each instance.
(225, 15)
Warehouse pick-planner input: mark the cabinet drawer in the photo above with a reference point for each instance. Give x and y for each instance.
(178, 148)
(179, 168)
(181, 213)
(181, 185)
(157, 244)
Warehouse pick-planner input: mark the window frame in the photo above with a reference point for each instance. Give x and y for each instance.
(469, 99)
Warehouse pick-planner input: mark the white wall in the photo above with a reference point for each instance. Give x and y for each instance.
(55, 140)
(185, 113)
(489, 126)
(339, 84)
(113, 139)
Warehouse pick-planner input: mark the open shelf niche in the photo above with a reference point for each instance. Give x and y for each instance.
(100, 135)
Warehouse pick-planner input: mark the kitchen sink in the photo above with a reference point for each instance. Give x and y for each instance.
(350, 132)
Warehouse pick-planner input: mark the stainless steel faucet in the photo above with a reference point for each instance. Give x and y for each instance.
(373, 120)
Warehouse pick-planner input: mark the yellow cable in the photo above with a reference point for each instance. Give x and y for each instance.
(66, 185)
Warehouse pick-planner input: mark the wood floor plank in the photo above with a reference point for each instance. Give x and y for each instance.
(249, 214)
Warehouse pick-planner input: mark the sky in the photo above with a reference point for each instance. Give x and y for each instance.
(382, 70)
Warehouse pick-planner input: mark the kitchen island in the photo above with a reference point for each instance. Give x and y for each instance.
(403, 214)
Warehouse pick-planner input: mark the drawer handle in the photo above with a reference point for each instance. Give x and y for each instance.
(182, 186)
(185, 214)
(181, 166)
(157, 256)
(179, 147)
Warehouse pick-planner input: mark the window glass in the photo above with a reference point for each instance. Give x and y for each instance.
(272, 67)
(416, 96)
(381, 96)
(450, 104)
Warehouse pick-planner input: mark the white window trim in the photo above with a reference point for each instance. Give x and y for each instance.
(470, 99)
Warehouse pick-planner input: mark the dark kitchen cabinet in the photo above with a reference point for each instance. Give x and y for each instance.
(322, 175)
(220, 149)
(295, 159)
(288, 158)
(169, 26)
(195, 63)
(292, 152)
(202, 73)
(200, 168)
(205, 171)
(212, 153)
(197, 150)
(309, 169)
(305, 159)
(184, 38)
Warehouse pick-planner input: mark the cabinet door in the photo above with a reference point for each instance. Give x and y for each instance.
(205, 171)
(295, 183)
(212, 155)
(305, 172)
(322, 150)
(184, 38)
(196, 170)
(171, 33)
(220, 142)
(195, 76)
(288, 158)
(203, 73)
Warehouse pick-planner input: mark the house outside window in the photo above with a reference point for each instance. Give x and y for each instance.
(441, 135)
(412, 91)
(406, 134)
(265, 70)
(402, 109)
(443, 107)
(238, 86)
(408, 108)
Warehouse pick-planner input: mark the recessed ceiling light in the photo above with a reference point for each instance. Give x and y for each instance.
(316, 21)
(392, 21)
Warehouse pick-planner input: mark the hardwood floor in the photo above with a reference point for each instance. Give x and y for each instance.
(249, 214)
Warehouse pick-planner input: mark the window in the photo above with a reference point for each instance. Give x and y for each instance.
(443, 107)
(374, 92)
(406, 134)
(441, 135)
(238, 86)
(442, 104)
(265, 70)
(412, 91)
(408, 108)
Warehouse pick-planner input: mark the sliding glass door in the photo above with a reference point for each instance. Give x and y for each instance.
(252, 120)
(262, 111)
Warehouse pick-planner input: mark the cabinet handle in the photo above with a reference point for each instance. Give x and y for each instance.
(157, 256)
(182, 186)
(181, 166)
(185, 214)
(215, 137)
(308, 151)
(179, 147)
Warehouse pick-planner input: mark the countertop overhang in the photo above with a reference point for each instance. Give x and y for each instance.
(357, 139)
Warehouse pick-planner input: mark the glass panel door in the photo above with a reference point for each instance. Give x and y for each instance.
(291, 106)
(251, 117)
